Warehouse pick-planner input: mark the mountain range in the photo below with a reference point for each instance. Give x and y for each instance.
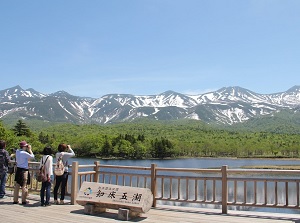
(228, 105)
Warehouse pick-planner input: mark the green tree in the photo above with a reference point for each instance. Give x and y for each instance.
(140, 150)
(162, 148)
(141, 138)
(21, 129)
(44, 138)
(2, 131)
(107, 149)
(125, 149)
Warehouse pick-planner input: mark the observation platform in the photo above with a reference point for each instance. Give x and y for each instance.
(33, 212)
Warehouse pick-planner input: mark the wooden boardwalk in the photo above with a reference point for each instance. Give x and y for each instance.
(33, 212)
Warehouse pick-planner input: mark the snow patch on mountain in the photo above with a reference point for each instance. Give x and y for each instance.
(227, 105)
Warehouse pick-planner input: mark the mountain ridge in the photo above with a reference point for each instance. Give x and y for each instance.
(228, 105)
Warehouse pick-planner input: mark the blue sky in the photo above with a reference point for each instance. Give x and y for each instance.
(144, 47)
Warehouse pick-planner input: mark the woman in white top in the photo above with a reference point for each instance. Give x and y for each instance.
(64, 151)
(47, 160)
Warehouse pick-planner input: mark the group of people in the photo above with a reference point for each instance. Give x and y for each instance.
(22, 176)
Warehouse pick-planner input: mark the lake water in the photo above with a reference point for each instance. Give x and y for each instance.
(203, 163)
(192, 162)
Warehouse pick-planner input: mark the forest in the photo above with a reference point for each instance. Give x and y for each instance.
(148, 139)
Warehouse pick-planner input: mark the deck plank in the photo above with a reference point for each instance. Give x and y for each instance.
(33, 212)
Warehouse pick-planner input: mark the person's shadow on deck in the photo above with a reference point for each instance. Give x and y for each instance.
(30, 204)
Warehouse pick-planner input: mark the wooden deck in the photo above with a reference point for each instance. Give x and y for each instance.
(33, 212)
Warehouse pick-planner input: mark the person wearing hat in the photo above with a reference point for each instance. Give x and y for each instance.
(22, 177)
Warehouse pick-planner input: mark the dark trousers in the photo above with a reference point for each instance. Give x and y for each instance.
(46, 187)
(60, 181)
(3, 177)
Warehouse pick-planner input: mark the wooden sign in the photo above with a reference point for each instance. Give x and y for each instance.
(115, 196)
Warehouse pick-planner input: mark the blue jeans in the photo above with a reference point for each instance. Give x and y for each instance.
(3, 177)
(46, 186)
(61, 181)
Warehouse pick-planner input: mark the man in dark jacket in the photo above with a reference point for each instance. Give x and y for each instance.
(4, 160)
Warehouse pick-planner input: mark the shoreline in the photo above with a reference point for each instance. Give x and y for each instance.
(184, 157)
(276, 167)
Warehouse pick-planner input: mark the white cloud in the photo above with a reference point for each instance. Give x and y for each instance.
(198, 91)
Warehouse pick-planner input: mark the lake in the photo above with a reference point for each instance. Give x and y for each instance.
(192, 162)
(202, 163)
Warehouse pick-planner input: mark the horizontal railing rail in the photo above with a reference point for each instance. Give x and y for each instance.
(34, 185)
(221, 187)
(265, 188)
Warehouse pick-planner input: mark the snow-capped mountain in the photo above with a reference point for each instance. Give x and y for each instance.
(227, 105)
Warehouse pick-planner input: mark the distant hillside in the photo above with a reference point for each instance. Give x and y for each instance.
(285, 121)
(226, 106)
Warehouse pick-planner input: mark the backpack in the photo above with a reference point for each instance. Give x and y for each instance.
(41, 176)
(3, 161)
(59, 168)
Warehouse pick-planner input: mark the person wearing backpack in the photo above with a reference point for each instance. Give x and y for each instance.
(22, 176)
(64, 153)
(47, 162)
(4, 161)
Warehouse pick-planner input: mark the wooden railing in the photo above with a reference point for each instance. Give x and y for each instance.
(278, 188)
(34, 185)
(33, 170)
(221, 187)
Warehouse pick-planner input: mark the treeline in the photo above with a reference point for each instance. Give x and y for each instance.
(129, 147)
(155, 139)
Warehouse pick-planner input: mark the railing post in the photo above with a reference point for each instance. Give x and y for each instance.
(224, 189)
(96, 169)
(153, 182)
(74, 186)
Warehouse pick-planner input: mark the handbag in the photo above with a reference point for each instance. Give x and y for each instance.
(11, 168)
(41, 176)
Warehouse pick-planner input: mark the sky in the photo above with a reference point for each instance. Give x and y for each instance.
(146, 47)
